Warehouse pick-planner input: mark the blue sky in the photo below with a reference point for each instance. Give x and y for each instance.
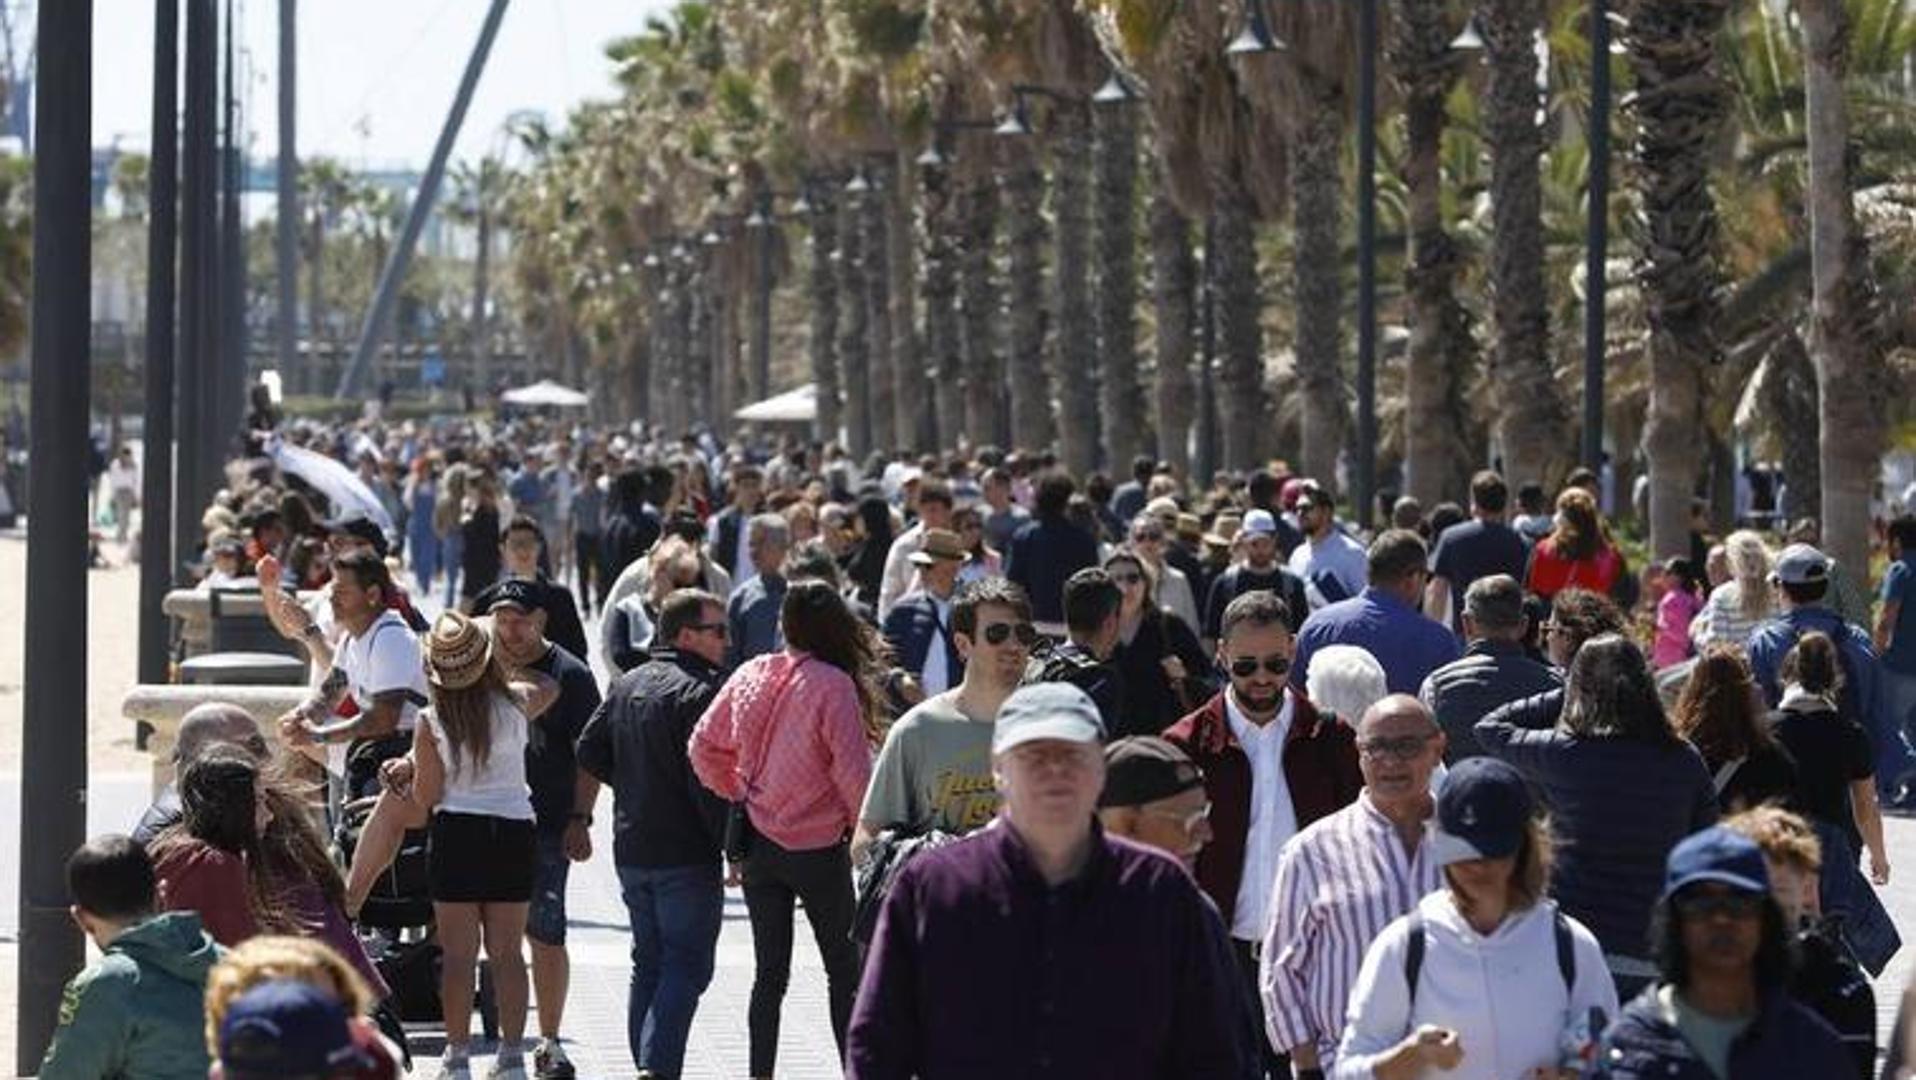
(376, 76)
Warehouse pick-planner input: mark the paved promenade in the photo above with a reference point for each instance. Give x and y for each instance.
(595, 1023)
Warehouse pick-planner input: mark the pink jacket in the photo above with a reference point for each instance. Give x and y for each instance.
(1674, 614)
(785, 736)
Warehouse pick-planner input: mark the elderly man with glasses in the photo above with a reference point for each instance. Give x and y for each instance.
(1272, 765)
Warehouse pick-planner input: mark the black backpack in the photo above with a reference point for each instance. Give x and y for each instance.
(1566, 952)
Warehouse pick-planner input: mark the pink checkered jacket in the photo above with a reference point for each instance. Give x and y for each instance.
(785, 736)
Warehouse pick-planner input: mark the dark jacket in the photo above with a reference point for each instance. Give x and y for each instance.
(165, 811)
(1102, 682)
(1617, 806)
(1240, 579)
(751, 619)
(1151, 700)
(1489, 674)
(1785, 1041)
(636, 742)
(1864, 698)
(1115, 975)
(910, 628)
(630, 531)
(1830, 983)
(139, 1013)
(1043, 554)
(1320, 768)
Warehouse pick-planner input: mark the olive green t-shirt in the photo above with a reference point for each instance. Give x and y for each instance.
(934, 771)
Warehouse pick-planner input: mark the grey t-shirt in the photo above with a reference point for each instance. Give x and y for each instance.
(934, 771)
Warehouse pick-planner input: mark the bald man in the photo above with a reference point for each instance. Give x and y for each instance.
(214, 723)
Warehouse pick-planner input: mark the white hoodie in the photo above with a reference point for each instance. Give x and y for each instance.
(1503, 994)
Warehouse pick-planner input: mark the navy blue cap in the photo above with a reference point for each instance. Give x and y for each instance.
(286, 1027)
(1482, 812)
(1717, 854)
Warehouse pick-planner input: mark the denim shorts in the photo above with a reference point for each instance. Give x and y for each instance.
(545, 920)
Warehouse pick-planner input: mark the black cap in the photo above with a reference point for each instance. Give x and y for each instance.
(362, 527)
(1145, 768)
(527, 596)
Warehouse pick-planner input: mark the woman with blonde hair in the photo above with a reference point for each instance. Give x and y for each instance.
(1742, 603)
(271, 958)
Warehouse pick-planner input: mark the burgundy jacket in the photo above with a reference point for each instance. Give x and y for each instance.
(1320, 768)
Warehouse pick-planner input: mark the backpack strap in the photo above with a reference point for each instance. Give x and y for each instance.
(1414, 954)
(1566, 951)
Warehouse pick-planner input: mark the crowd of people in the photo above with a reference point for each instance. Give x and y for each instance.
(1071, 778)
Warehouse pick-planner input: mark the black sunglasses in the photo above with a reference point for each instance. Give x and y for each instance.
(1246, 666)
(1000, 632)
(1736, 905)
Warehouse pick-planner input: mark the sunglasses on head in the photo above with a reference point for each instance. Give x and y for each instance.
(1246, 666)
(1000, 632)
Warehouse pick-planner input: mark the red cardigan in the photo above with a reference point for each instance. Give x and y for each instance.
(1320, 768)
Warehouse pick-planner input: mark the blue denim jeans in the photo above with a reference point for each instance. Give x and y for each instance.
(675, 914)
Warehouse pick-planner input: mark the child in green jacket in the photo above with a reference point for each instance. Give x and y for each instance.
(139, 1013)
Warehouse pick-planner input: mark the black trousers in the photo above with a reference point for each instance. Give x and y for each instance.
(822, 879)
(585, 557)
(1273, 1065)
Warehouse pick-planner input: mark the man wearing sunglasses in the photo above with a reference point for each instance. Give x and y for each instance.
(1272, 764)
(1722, 1006)
(934, 770)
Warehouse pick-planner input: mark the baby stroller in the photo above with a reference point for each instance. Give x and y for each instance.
(396, 921)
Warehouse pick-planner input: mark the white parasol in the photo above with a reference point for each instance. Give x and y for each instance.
(546, 392)
(341, 486)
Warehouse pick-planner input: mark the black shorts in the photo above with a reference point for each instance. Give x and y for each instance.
(480, 859)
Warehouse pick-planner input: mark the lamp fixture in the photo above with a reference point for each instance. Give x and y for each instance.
(1017, 120)
(857, 185)
(1115, 91)
(1256, 37)
(1469, 39)
(930, 158)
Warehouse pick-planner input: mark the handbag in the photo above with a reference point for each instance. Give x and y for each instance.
(740, 834)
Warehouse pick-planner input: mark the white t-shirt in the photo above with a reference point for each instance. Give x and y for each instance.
(1273, 818)
(385, 658)
(498, 788)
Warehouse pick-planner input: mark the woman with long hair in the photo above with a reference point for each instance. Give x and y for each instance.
(1484, 978)
(1721, 713)
(1577, 552)
(866, 566)
(1165, 671)
(247, 856)
(1622, 786)
(469, 766)
(1742, 603)
(422, 543)
(789, 741)
(1835, 765)
(969, 523)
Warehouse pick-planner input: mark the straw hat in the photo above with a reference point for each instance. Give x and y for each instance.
(940, 544)
(457, 652)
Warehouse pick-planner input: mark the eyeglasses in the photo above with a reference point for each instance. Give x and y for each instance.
(1152, 537)
(1244, 667)
(709, 628)
(1188, 821)
(1000, 632)
(1128, 578)
(1708, 905)
(1403, 748)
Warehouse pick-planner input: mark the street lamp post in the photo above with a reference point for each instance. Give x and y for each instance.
(156, 470)
(1364, 482)
(1597, 237)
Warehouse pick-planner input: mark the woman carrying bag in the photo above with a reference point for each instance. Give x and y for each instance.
(1485, 979)
(789, 738)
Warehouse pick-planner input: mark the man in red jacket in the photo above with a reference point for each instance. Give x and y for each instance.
(1272, 765)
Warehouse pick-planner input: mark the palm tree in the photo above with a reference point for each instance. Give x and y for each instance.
(984, 367)
(1533, 423)
(1679, 104)
(824, 320)
(1442, 350)
(1025, 375)
(1125, 426)
(476, 191)
(938, 296)
(1174, 274)
(876, 224)
(1075, 378)
(1845, 325)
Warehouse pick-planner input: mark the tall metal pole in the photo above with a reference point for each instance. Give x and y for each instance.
(287, 226)
(1207, 358)
(762, 316)
(53, 748)
(199, 153)
(1364, 482)
(1597, 241)
(395, 271)
(230, 394)
(162, 253)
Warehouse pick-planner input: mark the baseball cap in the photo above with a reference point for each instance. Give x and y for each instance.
(1716, 854)
(1145, 768)
(1801, 564)
(287, 1027)
(1260, 523)
(360, 527)
(1051, 710)
(1482, 812)
(513, 592)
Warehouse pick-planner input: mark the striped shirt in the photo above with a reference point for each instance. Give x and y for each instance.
(1339, 883)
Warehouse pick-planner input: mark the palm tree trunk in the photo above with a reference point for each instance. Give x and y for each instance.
(1246, 419)
(702, 360)
(1679, 104)
(854, 330)
(1442, 350)
(1125, 426)
(1790, 400)
(1174, 299)
(1025, 375)
(978, 285)
(1075, 374)
(824, 319)
(481, 286)
(911, 395)
(877, 251)
(944, 383)
(1853, 377)
(1317, 196)
(1533, 423)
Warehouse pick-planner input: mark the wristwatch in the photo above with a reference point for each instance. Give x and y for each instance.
(312, 630)
(578, 815)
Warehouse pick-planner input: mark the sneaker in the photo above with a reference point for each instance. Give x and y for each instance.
(549, 1063)
(507, 1069)
(455, 1069)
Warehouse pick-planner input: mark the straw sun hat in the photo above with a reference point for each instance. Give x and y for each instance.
(457, 652)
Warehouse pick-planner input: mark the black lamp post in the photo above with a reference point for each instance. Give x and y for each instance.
(1596, 237)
